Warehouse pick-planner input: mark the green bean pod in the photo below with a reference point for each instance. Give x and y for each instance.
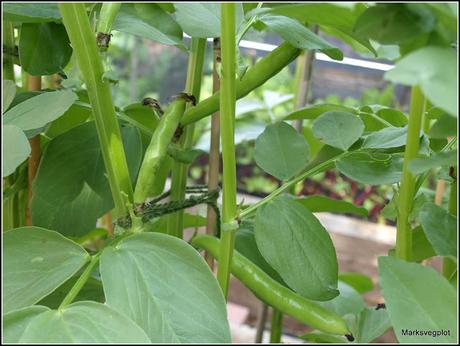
(157, 149)
(262, 71)
(273, 293)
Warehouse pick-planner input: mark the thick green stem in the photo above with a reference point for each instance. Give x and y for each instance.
(88, 58)
(449, 266)
(8, 44)
(262, 71)
(179, 170)
(227, 129)
(277, 326)
(408, 182)
(80, 282)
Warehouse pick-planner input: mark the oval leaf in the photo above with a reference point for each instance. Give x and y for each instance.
(338, 129)
(325, 204)
(37, 261)
(164, 285)
(281, 151)
(372, 169)
(40, 110)
(418, 298)
(83, 322)
(44, 48)
(17, 148)
(298, 247)
(390, 137)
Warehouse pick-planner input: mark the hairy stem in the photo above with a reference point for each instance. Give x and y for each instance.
(408, 182)
(227, 128)
(88, 58)
(175, 224)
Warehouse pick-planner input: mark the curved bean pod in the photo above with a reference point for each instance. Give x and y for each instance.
(273, 293)
(157, 149)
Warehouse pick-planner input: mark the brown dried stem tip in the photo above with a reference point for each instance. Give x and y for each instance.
(103, 40)
(186, 97)
(151, 102)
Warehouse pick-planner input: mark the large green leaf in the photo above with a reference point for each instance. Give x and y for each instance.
(16, 148)
(39, 110)
(150, 21)
(281, 151)
(164, 285)
(370, 324)
(440, 228)
(83, 322)
(393, 23)
(298, 247)
(434, 69)
(418, 299)
(37, 261)
(44, 48)
(16, 321)
(9, 91)
(71, 190)
(338, 129)
(372, 168)
(31, 12)
(320, 203)
(390, 137)
(298, 35)
(312, 112)
(436, 160)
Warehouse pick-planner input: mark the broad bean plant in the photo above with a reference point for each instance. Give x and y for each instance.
(93, 240)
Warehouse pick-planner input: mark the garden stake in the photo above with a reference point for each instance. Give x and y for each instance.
(34, 84)
(214, 149)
